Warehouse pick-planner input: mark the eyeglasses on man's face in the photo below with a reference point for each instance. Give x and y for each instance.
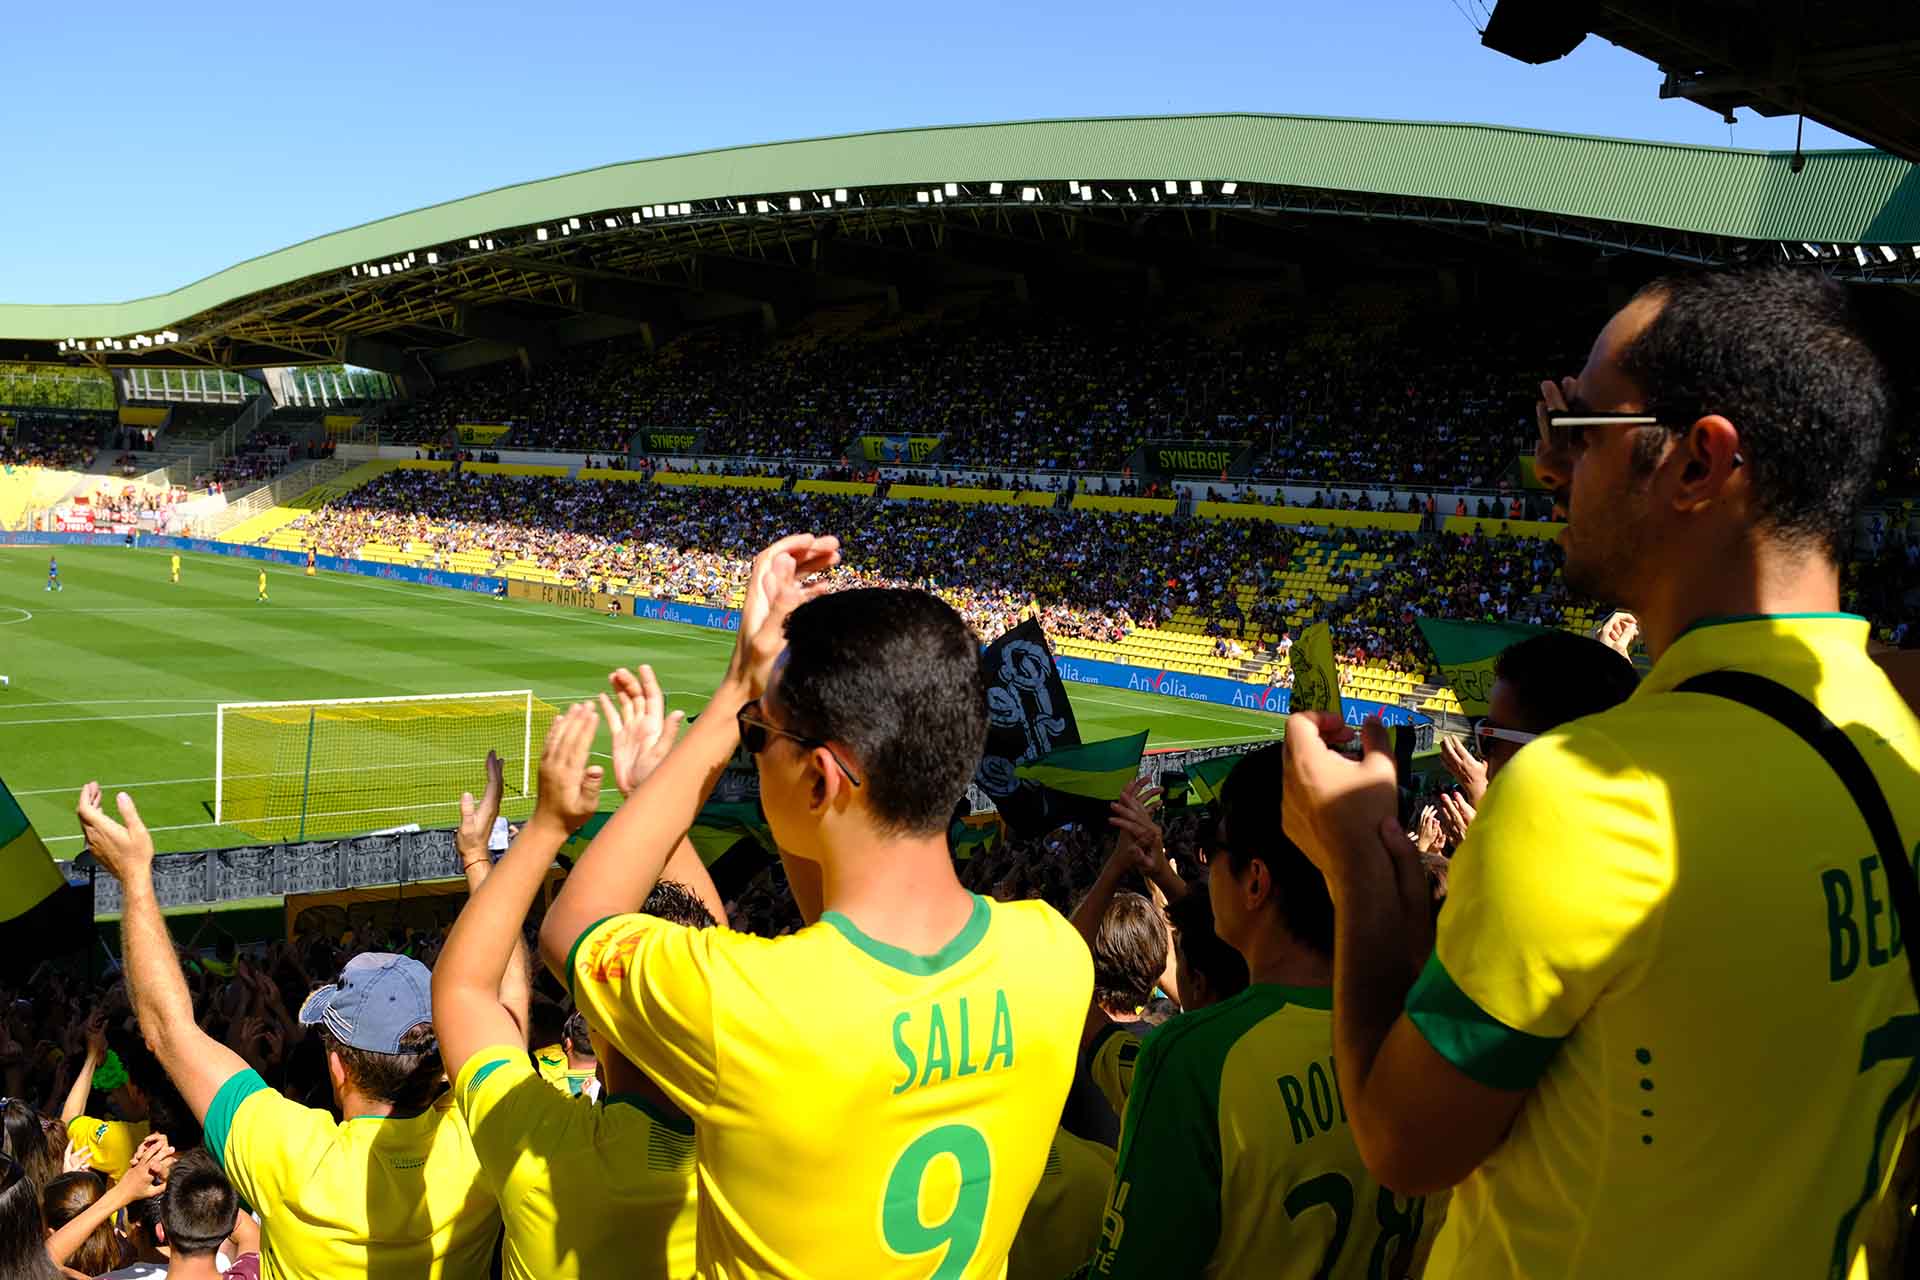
(756, 731)
(1487, 731)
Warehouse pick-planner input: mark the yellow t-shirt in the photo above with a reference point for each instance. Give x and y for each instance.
(1114, 1056)
(1670, 924)
(585, 1191)
(370, 1196)
(176, 565)
(859, 1110)
(554, 1069)
(110, 1143)
(1062, 1223)
(1237, 1159)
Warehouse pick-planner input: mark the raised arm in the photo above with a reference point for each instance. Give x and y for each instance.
(625, 860)
(470, 1009)
(643, 734)
(146, 1178)
(473, 841)
(76, 1104)
(1137, 849)
(196, 1063)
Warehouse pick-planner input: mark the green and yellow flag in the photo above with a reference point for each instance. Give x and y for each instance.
(1316, 680)
(28, 875)
(1092, 770)
(1465, 652)
(1205, 779)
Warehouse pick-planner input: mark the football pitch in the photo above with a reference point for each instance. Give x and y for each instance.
(116, 677)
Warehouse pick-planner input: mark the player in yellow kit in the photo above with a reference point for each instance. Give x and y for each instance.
(174, 566)
(1236, 1158)
(876, 1094)
(585, 1190)
(263, 587)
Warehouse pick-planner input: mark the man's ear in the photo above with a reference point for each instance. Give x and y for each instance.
(827, 783)
(1710, 457)
(159, 1231)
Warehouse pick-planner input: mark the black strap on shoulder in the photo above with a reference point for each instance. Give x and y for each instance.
(1773, 699)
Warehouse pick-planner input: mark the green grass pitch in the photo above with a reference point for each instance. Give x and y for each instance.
(117, 676)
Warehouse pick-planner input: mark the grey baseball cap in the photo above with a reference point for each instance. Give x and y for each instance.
(378, 999)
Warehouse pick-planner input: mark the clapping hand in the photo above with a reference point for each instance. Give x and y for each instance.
(477, 818)
(1619, 632)
(1456, 815)
(776, 586)
(124, 848)
(569, 786)
(1428, 837)
(643, 733)
(147, 1174)
(1470, 773)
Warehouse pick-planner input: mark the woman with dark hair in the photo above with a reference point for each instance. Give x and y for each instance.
(66, 1198)
(23, 1135)
(23, 1238)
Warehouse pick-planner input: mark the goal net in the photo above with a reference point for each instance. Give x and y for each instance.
(342, 766)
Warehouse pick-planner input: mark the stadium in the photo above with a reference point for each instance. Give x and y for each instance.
(1235, 412)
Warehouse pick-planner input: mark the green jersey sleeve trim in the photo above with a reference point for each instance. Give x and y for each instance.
(1469, 1037)
(677, 1123)
(240, 1086)
(573, 954)
(899, 958)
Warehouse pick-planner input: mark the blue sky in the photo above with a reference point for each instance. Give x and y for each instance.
(146, 146)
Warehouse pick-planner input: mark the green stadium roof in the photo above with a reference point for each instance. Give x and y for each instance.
(1841, 199)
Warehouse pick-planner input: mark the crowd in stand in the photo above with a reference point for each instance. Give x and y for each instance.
(1428, 401)
(50, 442)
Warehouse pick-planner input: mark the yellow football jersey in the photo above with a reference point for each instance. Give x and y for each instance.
(368, 1196)
(1115, 1051)
(859, 1110)
(556, 1071)
(109, 1144)
(586, 1191)
(1237, 1159)
(1062, 1223)
(1669, 922)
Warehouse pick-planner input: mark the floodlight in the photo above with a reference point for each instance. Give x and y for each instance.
(612, 223)
(1813, 251)
(1131, 194)
(1086, 193)
(1196, 188)
(840, 194)
(953, 188)
(118, 345)
(171, 336)
(1887, 252)
(761, 206)
(1073, 187)
(920, 197)
(356, 270)
(1860, 255)
(995, 188)
(573, 224)
(938, 198)
(793, 204)
(686, 208)
(541, 233)
(1229, 188)
(386, 269)
(1029, 194)
(1173, 188)
(433, 259)
(489, 242)
(473, 244)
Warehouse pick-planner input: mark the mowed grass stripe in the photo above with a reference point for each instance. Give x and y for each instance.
(117, 676)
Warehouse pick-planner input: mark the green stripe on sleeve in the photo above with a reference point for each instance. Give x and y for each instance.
(240, 1086)
(1485, 1048)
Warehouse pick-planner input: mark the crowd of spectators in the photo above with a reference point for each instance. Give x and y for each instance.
(57, 443)
(1432, 399)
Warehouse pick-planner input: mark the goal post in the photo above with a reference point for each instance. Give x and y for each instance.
(309, 768)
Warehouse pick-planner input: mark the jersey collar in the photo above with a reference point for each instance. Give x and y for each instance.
(1770, 642)
(906, 961)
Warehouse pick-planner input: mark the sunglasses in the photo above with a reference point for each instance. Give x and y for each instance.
(1486, 730)
(1567, 428)
(755, 733)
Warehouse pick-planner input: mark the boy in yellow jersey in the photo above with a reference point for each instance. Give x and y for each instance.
(585, 1190)
(1666, 1030)
(174, 568)
(1236, 1158)
(108, 1142)
(393, 1189)
(263, 588)
(874, 1095)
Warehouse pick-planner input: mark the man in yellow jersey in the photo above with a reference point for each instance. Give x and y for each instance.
(1667, 1029)
(899, 1127)
(585, 1190)
(393, 1189)
(174, 566)
(1236, 1158)
(263, 588)
(572, 1066)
